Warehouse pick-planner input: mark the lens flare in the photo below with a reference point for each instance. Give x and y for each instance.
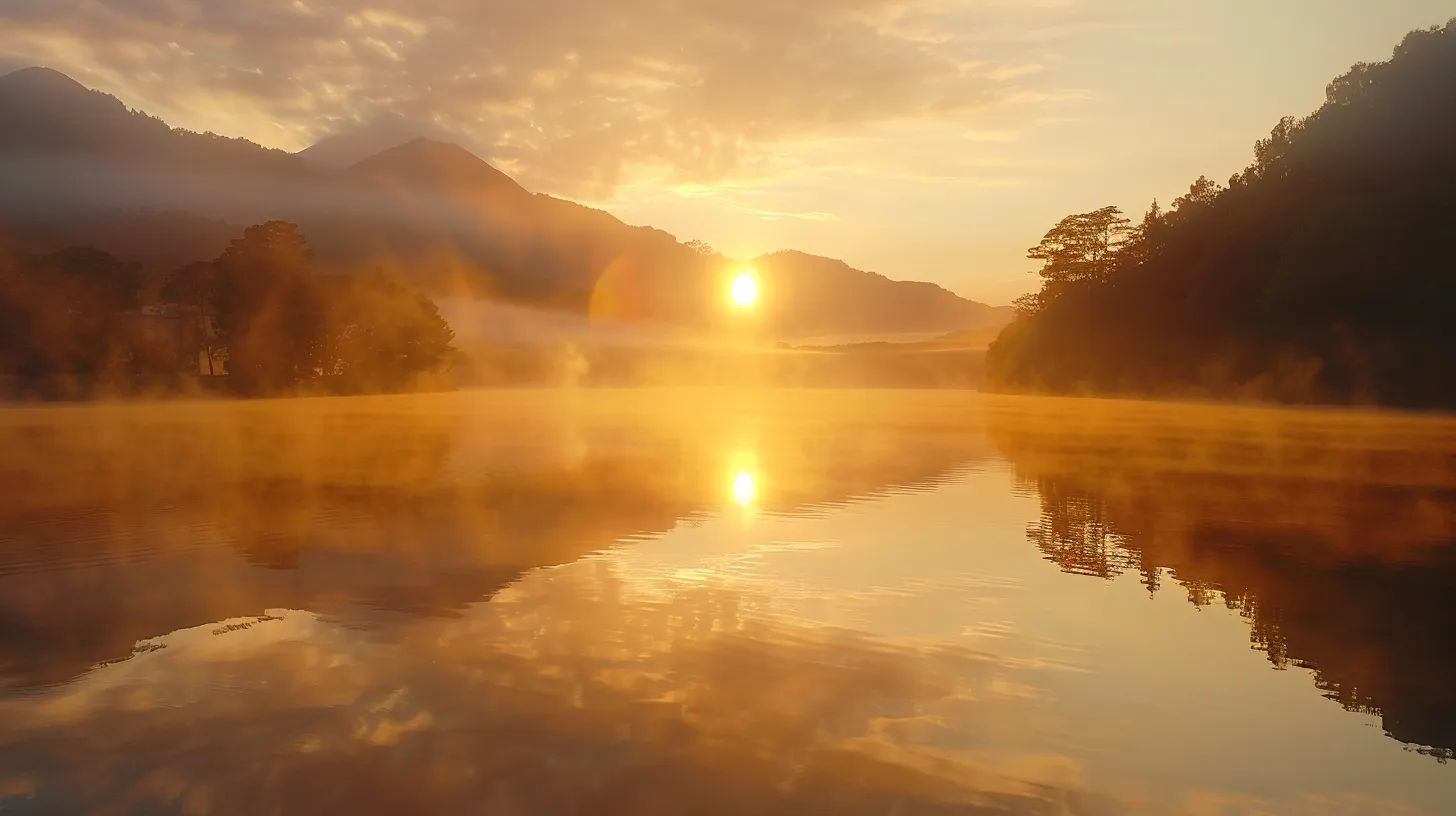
(744, 290)
(743, 489)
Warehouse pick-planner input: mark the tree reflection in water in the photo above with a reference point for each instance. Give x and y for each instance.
(1333, 535)
(121, 523)
(287, 600)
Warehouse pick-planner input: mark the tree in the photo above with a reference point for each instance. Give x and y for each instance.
(1144, 240)
(269, 314)
(283, 325)
(195, 286)
(1083, 247)
(1271, 154)
(105, 284)
(68, 321)
(1317, 275)
(1080, 249)
(64, 324)
(380, 334)
(1201, 193)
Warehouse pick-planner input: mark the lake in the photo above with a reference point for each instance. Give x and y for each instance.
(719, 602)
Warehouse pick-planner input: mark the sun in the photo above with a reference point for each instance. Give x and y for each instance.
(743, 489)
(744, 290)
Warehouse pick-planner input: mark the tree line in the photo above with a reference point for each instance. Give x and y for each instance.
(264, 322)
(1321, 273)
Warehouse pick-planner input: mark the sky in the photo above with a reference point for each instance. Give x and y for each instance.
(921, 139)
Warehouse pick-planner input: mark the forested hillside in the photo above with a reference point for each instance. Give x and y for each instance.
(1322, 273)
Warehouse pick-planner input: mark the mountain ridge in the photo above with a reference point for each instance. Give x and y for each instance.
(343, 148)
(428, 210)
(424, 163)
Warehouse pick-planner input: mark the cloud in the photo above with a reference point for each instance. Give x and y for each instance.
(574, 93)
(575, 690)
(730, 198)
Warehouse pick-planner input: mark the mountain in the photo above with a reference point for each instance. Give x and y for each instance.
(810, 296)
(47, 114)
(80, 166)
(349, 147)
(426, 163)
(47, 110)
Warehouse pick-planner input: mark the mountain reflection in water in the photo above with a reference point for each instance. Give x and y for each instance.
(724, 602)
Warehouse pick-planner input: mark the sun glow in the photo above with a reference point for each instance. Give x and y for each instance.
(743, 489)
(744, 290)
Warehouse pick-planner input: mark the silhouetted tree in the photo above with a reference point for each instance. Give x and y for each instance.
(700, 247)
(1082, 248)
(64, 326)
(269, 314)
(1202, 193)
(1317, 274)
(70, 322)
(380, 335)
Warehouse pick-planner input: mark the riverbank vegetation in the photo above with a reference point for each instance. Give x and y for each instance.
(1321, 273)
(257, 320)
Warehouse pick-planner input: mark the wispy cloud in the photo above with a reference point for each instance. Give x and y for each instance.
(577, 95)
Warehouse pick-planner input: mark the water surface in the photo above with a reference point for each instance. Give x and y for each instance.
(782, 602)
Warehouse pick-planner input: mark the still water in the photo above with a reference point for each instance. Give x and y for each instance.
(685, 602)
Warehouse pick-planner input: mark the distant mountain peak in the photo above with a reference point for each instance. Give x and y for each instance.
(432, 163)
(420, 198)
(43, 110)
(46, 89)
(41, 78)
(434, 148)
(346, 148)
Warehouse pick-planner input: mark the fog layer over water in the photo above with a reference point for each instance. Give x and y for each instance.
(709, 601)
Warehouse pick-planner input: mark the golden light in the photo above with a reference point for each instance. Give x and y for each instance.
(743, 489)
(744, 290)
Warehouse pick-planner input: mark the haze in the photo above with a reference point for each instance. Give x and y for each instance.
(666, 601)
(926, 140)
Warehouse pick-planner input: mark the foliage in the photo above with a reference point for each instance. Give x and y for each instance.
(63, 326)
(281, 325)
(70, 324)
(380, 335)
(1317, 274)
(1082, 248)
(268, 314)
